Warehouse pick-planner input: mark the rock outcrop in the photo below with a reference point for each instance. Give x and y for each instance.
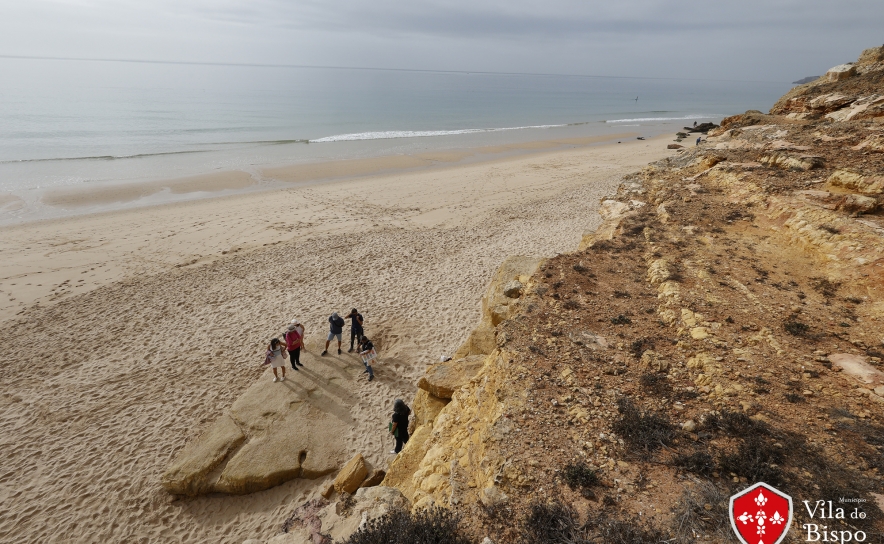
(273, 433)
(852, 91)
(443, 379)
(352, 475)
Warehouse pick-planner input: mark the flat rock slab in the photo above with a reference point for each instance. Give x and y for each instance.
(858, 367)
(443, 379)
(274, 432)
(189, 472)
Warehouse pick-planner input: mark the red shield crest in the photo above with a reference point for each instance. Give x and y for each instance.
(761, 514)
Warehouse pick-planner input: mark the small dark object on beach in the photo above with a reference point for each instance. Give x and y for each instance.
(640, 138)
(702, 127)
(620, 320)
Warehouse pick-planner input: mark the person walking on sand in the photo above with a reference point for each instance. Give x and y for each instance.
(399, 424)
(335, 329)
(276, 355)
(356, 330)
(366, 351)
(294, 339)
(698, 139)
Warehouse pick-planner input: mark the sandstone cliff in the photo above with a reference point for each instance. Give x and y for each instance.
(725, 325)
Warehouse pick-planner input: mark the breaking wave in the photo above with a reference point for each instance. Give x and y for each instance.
(648, 119)
(390, 134)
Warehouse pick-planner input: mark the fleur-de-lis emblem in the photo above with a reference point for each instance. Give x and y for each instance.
(766, 515)
(760, 500)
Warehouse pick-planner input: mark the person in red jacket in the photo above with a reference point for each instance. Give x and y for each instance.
(294, 341)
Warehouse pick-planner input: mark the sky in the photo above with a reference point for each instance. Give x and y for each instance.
(765, 40)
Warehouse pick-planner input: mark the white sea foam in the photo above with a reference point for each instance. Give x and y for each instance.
(649, 119)
(390, 134)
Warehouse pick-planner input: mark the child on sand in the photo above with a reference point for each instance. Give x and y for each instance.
(399, 425)
(366, 351)
(277, 355)
(294, 339)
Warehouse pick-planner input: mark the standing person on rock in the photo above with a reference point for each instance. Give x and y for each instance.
(356, 330)
(294, 340)
(276, 355)
(399, 424)
(335, 329)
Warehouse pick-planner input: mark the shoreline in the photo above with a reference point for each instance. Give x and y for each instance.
(56, 250)
(63, 203)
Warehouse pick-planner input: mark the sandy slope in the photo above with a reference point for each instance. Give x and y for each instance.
(103, 384)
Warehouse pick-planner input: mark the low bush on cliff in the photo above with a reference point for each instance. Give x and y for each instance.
(702, 513)
(556, 523)
(655, 383)
(796, 328)
(698, 462)
(643, 432)
(581, 478)
(433, 526)
(552, 523)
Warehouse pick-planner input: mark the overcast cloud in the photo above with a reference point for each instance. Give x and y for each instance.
(775, 40)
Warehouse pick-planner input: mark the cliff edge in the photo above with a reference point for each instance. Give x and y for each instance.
(724, 326)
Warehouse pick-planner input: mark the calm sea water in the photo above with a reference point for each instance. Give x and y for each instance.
(70, 123)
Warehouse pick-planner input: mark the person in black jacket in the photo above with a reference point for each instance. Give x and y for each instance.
(335, 328)
(399, 425)
(356, 330)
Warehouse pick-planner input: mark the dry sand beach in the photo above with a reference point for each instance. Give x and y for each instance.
(125, 334)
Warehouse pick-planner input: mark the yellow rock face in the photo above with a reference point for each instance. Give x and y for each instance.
(873, 185)
(443, 379)
(352, 475)
(451, 456)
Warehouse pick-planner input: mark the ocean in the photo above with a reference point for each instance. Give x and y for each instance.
(68, 124)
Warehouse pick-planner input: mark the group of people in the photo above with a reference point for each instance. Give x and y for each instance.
(292, 340)
(289, 347)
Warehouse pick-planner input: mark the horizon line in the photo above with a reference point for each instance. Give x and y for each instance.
(379, 69)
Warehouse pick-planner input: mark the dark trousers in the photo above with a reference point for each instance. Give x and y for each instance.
(355, 334)
(401, 441)
(295, 356)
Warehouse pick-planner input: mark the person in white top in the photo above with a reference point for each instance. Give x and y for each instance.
(277, 355)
